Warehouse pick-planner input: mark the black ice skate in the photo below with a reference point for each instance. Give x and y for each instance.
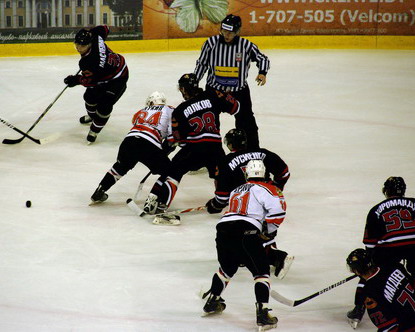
(98, 196)
(356, 315)
(85, 119)
(92, 136)
(263, 319)
(214, 305)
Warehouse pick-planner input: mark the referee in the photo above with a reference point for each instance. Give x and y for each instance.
(227, 58)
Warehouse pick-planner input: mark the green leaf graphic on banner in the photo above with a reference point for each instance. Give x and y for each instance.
(190, 12)
(215, 10)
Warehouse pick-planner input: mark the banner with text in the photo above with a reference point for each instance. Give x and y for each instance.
(200, 18)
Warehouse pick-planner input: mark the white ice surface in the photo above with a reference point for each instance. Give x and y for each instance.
(343, 121)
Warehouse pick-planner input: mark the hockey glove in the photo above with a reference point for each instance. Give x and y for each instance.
(213, 206)
(268, 236)
(72, 80)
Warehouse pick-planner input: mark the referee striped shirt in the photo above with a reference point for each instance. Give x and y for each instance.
(228, 64)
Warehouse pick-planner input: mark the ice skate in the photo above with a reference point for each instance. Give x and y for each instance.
(92, 136)
(355, 316)
(151, 204)
(98, 196)
(214, 305)
(263, 319)
(85, 119)
(283, 270)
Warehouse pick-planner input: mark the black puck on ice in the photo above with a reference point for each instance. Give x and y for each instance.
(28, 204)
(128, 200)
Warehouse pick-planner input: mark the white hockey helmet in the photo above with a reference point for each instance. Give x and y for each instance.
(156, 98)
(255, 169)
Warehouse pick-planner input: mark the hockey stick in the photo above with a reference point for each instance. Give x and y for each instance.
(15, 141)
(8, 124)
(140, 212)
(294, 303)
(140, 186)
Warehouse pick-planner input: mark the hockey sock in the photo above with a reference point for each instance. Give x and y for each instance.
(219, 283)
(262, 288)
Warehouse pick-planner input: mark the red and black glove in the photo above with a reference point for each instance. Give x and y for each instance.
(72, 80)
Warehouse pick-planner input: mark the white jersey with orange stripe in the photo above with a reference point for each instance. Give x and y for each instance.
(153, 123)
(259, 203)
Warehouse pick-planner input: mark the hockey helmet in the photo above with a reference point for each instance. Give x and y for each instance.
(231, 23)
(359, 261)
(255, 169)
(188, 82)
(156, 98)
(394, 186)
(235, 139)
(83, 37)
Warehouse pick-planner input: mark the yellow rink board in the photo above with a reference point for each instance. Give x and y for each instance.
(272, 42)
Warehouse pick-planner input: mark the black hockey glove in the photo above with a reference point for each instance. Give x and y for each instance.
(72, 80)
(213, 206)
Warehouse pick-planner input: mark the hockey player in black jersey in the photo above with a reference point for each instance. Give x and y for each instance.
(231, 174)
(196, 126)
(389, 235)
(388, 293)
(103, 73)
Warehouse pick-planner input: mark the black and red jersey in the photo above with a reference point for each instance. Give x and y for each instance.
(231, 171)
(390, 299)
(391, 223)
(101, 65)
(197, 119)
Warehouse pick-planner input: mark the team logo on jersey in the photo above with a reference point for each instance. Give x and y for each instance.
(238, 57)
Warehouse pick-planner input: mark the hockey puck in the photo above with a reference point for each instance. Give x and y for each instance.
(129, 200)
(28, 204)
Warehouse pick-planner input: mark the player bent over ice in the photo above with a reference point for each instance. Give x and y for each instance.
(196, 126)
(147, 142)
(256, 209)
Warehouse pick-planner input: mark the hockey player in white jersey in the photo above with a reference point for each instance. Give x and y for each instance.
(256, 210)
(147, 142)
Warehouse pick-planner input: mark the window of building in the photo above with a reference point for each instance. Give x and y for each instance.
(79, 3)
(105, 18)
(8, 21)
(116, 21)
(90, 3)
(67, 3)
(8, 4)
(21, 23)
(79, 19)
(20, 4)
(67, 20)
(91, 19)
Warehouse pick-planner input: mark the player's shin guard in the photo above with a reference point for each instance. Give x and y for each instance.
(262, 288)
(170, 188)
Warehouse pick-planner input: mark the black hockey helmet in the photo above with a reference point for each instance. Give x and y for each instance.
(231, 23)
(394, 186)
(188, 82)
(83, 37)
(235, 139)
(359, 261)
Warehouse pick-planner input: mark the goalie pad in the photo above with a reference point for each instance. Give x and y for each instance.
(167, 219)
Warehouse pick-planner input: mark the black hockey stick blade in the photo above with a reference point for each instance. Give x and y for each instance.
(293, 303)
(8, 124)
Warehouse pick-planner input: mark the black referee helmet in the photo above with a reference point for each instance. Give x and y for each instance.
(231, 23)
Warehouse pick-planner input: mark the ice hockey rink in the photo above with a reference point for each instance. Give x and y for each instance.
(343, 120)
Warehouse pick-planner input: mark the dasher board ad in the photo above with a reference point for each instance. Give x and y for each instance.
(201, 18)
